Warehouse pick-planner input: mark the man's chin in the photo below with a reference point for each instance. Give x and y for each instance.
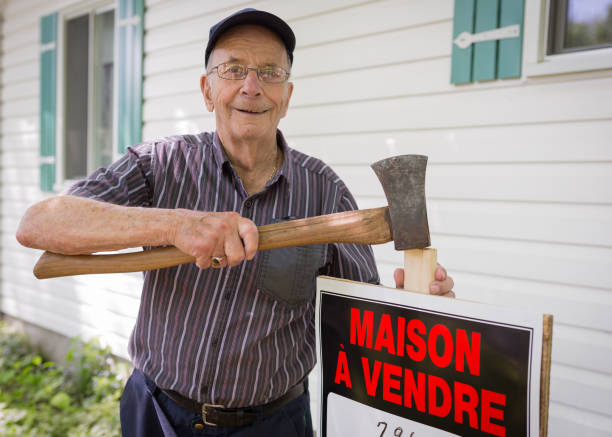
(247, 132)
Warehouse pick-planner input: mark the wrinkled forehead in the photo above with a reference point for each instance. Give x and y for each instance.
(245, 42)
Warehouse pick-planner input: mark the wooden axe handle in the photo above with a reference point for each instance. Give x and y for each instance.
(367, 226)
(419, 269)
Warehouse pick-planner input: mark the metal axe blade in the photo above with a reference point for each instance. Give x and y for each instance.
(403, 180)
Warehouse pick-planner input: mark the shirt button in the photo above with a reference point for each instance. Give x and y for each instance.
(198, 426)
(248, 204)
(215, 342)
(227, 296)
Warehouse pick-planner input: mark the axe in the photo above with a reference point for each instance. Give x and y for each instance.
(404, 221)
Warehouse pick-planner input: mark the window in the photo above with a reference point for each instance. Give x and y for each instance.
(88, 92)
(90, 87)
(567, 36)
(579, 25)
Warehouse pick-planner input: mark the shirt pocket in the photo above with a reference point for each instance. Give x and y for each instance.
(288, 274)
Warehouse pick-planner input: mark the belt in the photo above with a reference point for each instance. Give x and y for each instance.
(218, 415)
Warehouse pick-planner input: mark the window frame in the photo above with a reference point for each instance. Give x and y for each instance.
(536, 61)
(91, 9)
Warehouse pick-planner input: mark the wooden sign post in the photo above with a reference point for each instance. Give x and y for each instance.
(398, 364)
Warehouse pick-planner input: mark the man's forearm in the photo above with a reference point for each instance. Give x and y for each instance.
(75, 225)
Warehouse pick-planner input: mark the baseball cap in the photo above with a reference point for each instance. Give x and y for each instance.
(252, 16)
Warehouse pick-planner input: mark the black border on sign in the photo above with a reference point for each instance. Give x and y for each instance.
(323, 412)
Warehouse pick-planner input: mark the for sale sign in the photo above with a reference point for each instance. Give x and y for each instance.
(395, 363)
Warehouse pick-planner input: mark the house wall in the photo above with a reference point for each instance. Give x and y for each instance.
(519, 178)
(103, 306)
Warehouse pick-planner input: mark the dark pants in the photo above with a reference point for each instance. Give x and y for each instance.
(146, 411)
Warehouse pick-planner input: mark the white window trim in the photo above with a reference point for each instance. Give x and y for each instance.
(61, 183)
(535, 60)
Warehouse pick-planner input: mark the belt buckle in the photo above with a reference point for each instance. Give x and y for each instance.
(204, 406)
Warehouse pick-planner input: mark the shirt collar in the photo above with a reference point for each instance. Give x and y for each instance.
(286, 169)
(218, 151)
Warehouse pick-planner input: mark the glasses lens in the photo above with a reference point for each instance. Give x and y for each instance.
(232, 71)
(272, 74)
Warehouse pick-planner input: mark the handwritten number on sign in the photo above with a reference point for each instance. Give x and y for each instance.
(396, 433)
(384, 424)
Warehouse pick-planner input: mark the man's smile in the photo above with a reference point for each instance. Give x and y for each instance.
(252, 111)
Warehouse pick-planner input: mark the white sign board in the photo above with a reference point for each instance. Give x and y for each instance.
(395, 363)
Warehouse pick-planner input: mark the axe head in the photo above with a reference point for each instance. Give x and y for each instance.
(403, 180)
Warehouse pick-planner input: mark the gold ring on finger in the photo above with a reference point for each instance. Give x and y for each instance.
(217, 261)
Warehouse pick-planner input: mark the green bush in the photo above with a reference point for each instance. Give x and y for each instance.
(40, 398)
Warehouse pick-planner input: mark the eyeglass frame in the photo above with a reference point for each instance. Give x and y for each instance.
(247, 68)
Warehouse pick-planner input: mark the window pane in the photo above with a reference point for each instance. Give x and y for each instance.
(104, 40)
(77, 48)
(589, 23)
(580, 25)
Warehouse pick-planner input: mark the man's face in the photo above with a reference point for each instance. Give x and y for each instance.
(247, 109)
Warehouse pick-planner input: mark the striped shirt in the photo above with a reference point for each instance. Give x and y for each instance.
(242, 335)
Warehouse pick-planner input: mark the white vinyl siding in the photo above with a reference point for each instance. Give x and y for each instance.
(519, 182)
(102, 306)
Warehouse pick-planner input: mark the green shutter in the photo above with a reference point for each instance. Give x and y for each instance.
(485, 53)
(486, 60)
(509, 58)
(131, 17)
(48, 82)
(463, 21)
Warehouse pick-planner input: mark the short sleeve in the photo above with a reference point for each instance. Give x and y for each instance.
(128, 181)
(351, 261)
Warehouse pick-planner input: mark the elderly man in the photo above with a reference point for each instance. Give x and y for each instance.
(223, 350)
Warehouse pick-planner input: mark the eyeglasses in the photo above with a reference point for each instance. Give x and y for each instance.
(267, 74)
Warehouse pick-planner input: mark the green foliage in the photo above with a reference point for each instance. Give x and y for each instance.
(38, 397)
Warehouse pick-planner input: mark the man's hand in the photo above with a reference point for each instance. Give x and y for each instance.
(204, 235)
(442, 286)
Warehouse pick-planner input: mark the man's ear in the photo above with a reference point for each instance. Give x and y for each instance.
(207, 92)
(289, 92)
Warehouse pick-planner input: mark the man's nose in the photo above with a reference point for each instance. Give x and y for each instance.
(251, 86)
